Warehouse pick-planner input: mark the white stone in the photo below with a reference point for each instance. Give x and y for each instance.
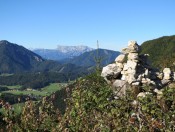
(125, 68)
(166, 71)
(131, 71)
(124, 72)
(159, 75)
(148, 80)
(120, 87)
(136, 83)
(120, 58)
(143, 94)
(132, 43)
(125, 50)
(152, 82)
(139, 78)
(119, 83)
(167, 77)
(131, 64)
(124, 77)
(158, 91)
(133, 56)
(109, 70)
(165, 82)
(133, 47)
(147, 73)
(131, 78)
(144, 80)
(135, 103)
(120, 65)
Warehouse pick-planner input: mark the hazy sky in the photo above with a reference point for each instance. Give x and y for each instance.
(48, 23)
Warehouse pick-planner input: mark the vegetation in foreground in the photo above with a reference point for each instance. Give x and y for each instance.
(91, 107)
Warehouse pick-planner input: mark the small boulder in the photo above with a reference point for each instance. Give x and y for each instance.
(133, 56)
(133, 47)
(120, 58)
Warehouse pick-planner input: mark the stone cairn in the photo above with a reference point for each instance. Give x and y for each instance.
(133, 70)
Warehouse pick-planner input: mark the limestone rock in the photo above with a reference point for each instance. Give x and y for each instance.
(159, 75)
(125, 50)
(125, 68)
(139, 78)
(119, 65)
(143, 94)
(136, 72)
(136, 83)
(131, 71)
(147, 73)
(159, 93)
(131, 78)
(120, 58)
(120, 87)
(131, 64)
(167, 77)
(165, 82)
(133, 47)
(124, 77)
(166, 71)
(133, 56)
(109, 70)
(119, 83)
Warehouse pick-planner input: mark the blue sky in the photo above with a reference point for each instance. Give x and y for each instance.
(48, 23)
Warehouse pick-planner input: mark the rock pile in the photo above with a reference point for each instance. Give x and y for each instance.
(132, 69)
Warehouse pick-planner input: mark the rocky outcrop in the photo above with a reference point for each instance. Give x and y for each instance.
(132, 69)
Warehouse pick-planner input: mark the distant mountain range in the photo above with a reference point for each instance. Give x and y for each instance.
(62, 52)
(17, 59)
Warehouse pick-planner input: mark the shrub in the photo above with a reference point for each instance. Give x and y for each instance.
(91, 107)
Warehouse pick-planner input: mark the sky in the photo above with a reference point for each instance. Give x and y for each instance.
(48, 23)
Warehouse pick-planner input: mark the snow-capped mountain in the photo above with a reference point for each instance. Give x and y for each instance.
(62, 52)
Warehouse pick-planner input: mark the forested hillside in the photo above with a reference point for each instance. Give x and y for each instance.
(15, 58)
(161, 51)
(91, 58)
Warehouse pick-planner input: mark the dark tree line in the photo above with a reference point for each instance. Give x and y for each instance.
(33, 80)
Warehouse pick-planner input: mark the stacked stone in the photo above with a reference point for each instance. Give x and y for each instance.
(129, 73)
(133, 69)
(137, 70)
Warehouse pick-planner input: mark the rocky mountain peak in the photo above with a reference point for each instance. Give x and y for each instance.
(62, 52)
(68, 49)
(4, 42)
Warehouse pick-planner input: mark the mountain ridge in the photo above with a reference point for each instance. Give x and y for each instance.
(91, 58)
(62, 52)
(18, 59)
